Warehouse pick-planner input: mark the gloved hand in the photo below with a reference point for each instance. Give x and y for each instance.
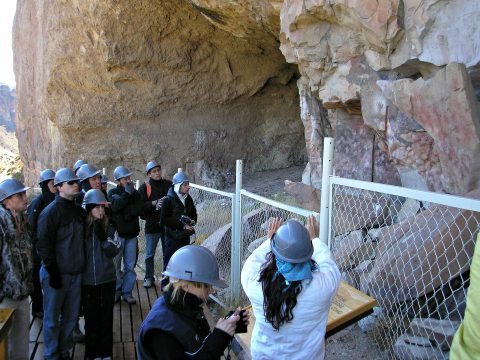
(158, 203)
(99, 230)
(129, 188)
(55, 280)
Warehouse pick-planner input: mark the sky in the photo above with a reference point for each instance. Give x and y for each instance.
(7, 12)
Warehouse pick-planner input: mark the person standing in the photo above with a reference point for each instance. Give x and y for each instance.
(126, 206)
(61, 246)
(290, 280)
(178, 217)
(33, 212)
(152, 193)
(16, 264)
(98, 282)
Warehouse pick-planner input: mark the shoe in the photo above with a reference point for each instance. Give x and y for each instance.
(37, 314)
(147, 283)
(118, 297)
(77, 335)
(129, 299)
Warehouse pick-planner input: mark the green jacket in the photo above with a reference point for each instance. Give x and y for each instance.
(466, 343)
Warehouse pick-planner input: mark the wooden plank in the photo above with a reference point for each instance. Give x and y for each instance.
(136, 312)
(39, 351)
(117, 351)
(35, 329)
(79, 351)
(143, 301)
(129, 350)
(117, 328)
(125, 321)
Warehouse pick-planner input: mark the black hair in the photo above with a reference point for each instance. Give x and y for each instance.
(279, 299)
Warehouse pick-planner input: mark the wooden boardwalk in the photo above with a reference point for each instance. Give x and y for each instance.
(126, 321)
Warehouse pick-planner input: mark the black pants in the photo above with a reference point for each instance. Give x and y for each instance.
(98, 304)
(170, 247)
(37, 295)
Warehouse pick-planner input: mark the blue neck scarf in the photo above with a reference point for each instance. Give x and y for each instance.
(293, 272)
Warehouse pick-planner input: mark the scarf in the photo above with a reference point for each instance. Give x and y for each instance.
(293, 272)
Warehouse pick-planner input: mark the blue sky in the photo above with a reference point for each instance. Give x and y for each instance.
(7, 12)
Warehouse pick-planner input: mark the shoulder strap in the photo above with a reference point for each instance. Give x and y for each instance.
(149, 189)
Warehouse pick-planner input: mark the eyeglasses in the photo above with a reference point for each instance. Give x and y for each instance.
(72, 182)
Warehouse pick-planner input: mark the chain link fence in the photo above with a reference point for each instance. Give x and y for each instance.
(413, 256)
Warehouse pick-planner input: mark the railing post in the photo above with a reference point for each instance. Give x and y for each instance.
(236, 246)
(327, 170)
(104, 171)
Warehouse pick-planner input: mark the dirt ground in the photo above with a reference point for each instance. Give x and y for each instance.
(350, 343)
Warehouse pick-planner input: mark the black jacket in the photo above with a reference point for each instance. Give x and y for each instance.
(33, 212)
(152, 217)
(60, 234)
(125, 209)
(100, 249)
(172, 210)
(175, 331)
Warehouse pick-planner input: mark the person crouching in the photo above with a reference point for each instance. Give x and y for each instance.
(98, 282)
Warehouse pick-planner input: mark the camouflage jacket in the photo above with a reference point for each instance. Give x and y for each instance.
(16, 262)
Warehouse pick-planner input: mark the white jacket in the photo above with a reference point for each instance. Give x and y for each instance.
(304, 336)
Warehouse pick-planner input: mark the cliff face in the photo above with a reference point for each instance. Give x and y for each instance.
(124, 82)
(10, 164)
(200, 83)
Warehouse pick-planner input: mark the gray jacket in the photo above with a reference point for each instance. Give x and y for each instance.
(100, 250)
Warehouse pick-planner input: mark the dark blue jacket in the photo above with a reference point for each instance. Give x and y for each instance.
(173, 334)
(172, 210)
(61, 239)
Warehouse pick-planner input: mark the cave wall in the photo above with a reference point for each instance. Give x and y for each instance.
(124, 82)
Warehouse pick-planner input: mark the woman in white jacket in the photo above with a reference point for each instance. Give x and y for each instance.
(290, 280)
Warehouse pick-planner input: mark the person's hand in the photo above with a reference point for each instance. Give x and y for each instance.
(55, 279)
(312, 227)
(189, 228)
(129, 188)
(273, 226)
(229, 325)
(246, 317)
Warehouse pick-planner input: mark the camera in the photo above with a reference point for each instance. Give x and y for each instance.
(187, 221)
(241, 327)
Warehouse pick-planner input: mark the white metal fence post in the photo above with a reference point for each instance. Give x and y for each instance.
(327, 170)
(236, 247)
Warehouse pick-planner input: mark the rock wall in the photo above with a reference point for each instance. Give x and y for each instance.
(122, 82)
(200, 83)
(399, 81)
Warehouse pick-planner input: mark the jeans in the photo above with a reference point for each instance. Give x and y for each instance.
(152, 242)
(98, 304)
(60, 313)
(126, 282)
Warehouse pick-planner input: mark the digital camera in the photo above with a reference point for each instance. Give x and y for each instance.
(187, 221)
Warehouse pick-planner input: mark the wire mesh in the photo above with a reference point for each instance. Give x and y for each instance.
(413, 257)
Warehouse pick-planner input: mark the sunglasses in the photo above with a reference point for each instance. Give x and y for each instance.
(72, 182)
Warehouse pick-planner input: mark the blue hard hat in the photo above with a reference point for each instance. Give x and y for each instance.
(9, 187)
(87, 171)
(64, 175)
(179, 178)
(77, 165)
(151, 165)
(46, 175)
(121, 172)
